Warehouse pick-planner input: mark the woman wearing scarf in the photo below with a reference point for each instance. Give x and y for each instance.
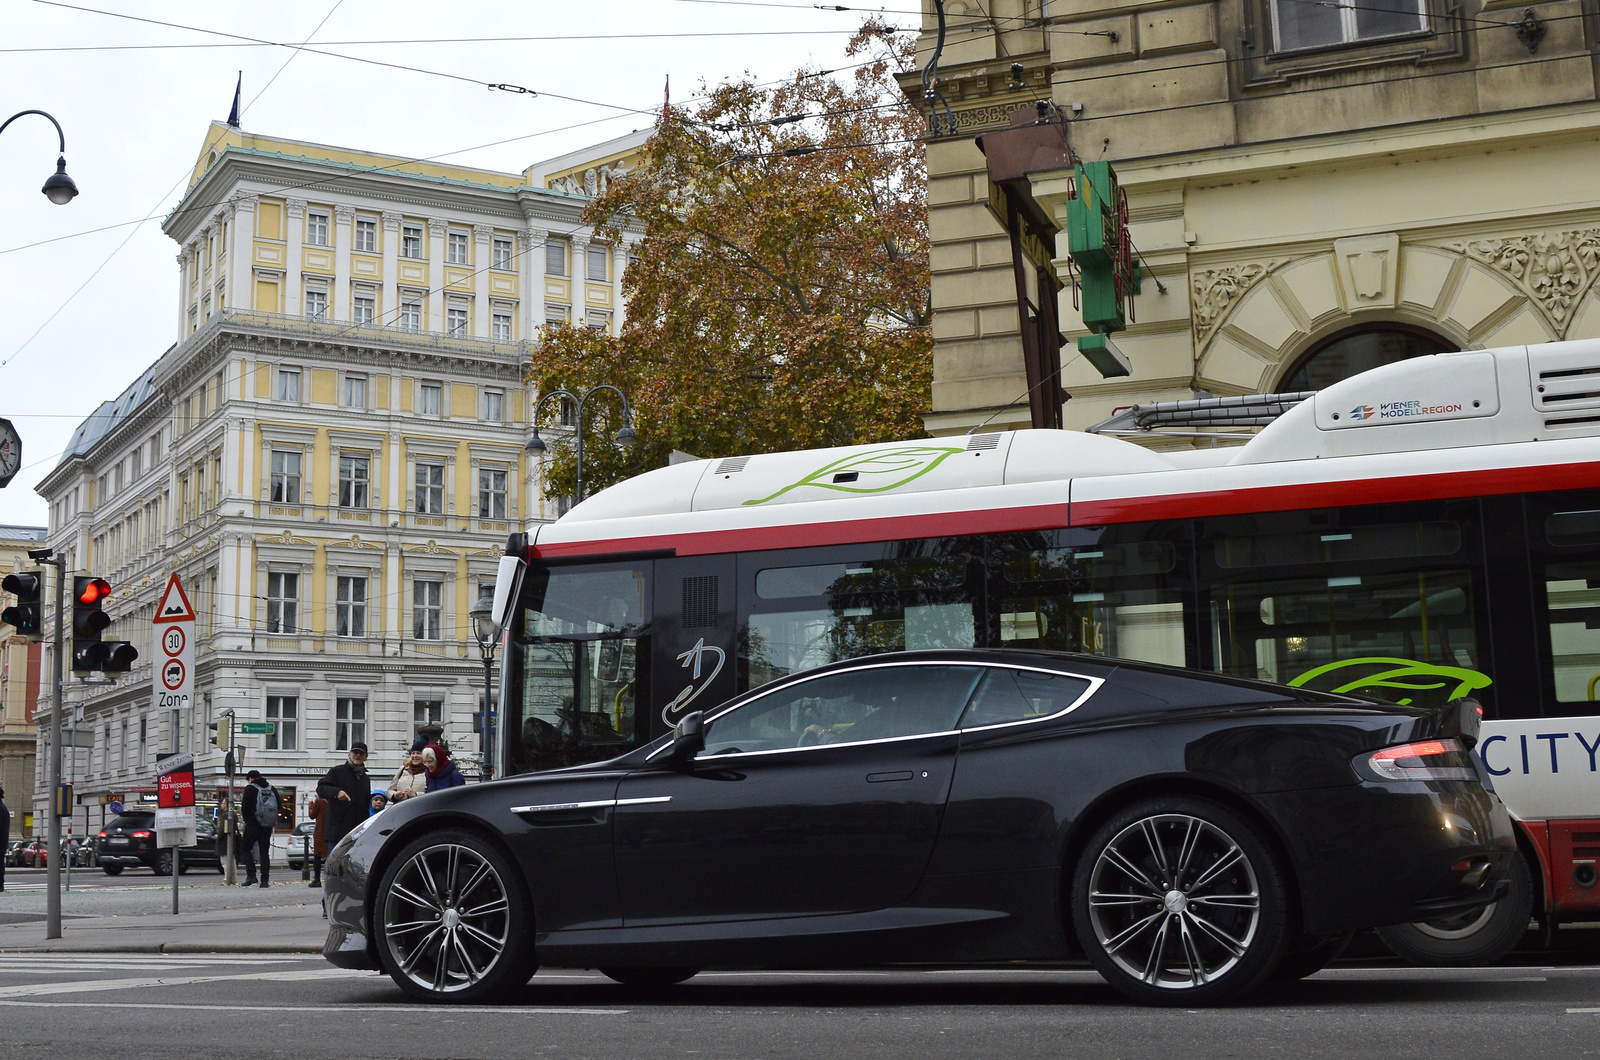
(442, 773)
(413, 776)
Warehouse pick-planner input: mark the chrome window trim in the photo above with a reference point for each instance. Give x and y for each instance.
(1094, 686)
(593, 804)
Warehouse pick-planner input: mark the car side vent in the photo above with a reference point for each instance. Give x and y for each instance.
(700, 602)
(978, 442)
(728, 465)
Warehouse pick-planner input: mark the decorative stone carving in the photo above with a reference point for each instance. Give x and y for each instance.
(1216, 290)
(438, 226)
(1554, 269)
(297, 207)
(391, 221)
(482, 233)
(1368, 267)
(591, 181)
(566, 185)
(343, 213)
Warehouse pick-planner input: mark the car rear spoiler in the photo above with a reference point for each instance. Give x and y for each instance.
(1459, 719)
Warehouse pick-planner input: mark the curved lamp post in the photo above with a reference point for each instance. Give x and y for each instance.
(59, 189)
(485, 630)
(624, 437)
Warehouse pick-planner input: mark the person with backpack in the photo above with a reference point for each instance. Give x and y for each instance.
(348, 790)
(260, 806)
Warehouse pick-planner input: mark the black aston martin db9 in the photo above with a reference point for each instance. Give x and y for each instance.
(1191, 835)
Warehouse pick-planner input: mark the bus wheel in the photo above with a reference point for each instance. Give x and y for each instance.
(1481, 936)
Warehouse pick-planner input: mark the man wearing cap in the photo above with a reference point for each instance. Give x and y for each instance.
(348, 790)
(258, 806)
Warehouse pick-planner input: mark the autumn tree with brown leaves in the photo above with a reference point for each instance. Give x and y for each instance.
(780, 296)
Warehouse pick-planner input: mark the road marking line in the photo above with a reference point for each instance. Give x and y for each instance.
(35, 989)
(399, 1007)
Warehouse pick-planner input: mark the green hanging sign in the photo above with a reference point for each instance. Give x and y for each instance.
(1102, 255)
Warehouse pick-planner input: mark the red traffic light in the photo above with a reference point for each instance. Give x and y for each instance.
(93, 590)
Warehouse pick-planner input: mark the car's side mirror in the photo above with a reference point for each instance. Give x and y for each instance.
(688, 737)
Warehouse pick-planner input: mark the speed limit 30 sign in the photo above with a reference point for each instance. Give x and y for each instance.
(174, 626)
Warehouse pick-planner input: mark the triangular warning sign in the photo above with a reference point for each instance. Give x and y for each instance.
(174, 605)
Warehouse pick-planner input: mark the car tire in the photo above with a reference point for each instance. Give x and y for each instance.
(1136, 887)
(111, 870)
(163, 863)
(1309, 957)
(452, 919)
(649, 978)
(1479, 937)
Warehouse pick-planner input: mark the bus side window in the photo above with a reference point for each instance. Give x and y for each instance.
(1570, 582)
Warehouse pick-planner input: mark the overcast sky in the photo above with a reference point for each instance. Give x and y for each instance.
(135, 117)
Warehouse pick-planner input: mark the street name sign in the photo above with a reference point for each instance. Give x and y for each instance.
(255, 728)
(173, 684)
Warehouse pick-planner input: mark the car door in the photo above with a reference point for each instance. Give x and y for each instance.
(821, 796)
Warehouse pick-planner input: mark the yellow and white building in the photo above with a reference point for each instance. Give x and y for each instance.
(330, 457)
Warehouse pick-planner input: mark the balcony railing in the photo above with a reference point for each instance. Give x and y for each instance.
(331, 330)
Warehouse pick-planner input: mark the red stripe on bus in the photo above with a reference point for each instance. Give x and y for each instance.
(1443, 486)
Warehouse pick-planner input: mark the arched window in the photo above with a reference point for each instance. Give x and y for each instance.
(1356, 350)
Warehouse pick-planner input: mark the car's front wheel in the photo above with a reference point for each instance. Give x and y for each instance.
(453, 922)
(1180, 901)
(1479, 936)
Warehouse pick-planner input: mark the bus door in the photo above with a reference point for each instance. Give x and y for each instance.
(696, 633)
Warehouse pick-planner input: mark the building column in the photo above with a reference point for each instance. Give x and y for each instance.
(183, 293)
(578, 271)
(532, 242)
(343, 240)
(294, 295)
(619, 264)
(389, 311)
(241, 281)
(438, 230)
(482, 247)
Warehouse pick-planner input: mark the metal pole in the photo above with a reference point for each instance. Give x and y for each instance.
(177, 855)
(72, 776)
(233, 877)
(52, 907)
(581, 402)
(488, 714)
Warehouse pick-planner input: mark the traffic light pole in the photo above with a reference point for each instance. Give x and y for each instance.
(52, 907)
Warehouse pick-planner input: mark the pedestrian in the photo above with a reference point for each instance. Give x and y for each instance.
(379, 801)
(412, 779)
(442, 773)
(317, 810)
(260, 806)
(5, 836)
(348, 790)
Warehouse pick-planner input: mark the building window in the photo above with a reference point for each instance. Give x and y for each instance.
(502, 252)
(430, 489)
(316, 228)
(492, 493)
(411, 241)
(596, 257)
(283, 603)
(289, 384)
(494, 406)
(428, 610)
(1297, 24)
(411, 315)
(284, 714)
(355, 391)
(555, 258)
(353, 478)
(556, 315)
(366, 236)
(366, 310)
(427, 712)
(455, 320)
(428, 395)
(455, 249)
(316, 304)
(349, 722)
(285, 477)
(1358, 350)
(597, 320)
(350, 607)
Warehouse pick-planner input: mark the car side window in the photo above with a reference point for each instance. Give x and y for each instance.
(1021, 695)
(875, 703)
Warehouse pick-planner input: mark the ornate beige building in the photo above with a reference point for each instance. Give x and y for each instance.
(331, 456)
(1319, 187)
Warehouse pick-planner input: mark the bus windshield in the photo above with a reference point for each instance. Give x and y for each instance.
(579, 651)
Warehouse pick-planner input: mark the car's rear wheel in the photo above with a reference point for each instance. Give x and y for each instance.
(649, 978)
(1477, 937)
(163, 865)
(454, 924)
(111, 870)
(1180, 901)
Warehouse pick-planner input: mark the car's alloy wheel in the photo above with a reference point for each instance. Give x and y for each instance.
(163, 864)
(1476, 937)
(452, 920)
(1179, 901)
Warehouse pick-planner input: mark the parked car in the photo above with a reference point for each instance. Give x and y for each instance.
(129, 841)
(1192, 834)
(36, 853)
(80, 850)
(298, 843)
(13, 853)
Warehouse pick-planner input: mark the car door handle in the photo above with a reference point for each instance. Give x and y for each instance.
(884, 778)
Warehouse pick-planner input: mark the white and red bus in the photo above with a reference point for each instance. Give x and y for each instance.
(1422, 532)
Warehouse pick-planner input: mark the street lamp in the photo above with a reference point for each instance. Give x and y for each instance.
(486, 631)
(624, 437)
(59, 188)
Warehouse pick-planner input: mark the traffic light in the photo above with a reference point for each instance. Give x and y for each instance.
(89, 620)
(27, 617)
(223, 727)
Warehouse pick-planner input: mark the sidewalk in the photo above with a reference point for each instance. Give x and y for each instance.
(297, 928)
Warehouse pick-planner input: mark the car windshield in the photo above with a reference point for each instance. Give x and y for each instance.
(132, 820)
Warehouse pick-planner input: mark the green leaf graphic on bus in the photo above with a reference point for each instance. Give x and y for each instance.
(1378, 675)
(875, 472)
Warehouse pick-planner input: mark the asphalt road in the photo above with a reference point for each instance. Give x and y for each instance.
(265, 1007)
(138, 891)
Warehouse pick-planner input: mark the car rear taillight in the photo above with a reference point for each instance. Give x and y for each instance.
(1423, 760)
(144, 835)
(102, 835)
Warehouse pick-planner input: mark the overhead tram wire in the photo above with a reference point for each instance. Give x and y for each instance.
(446, 40)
